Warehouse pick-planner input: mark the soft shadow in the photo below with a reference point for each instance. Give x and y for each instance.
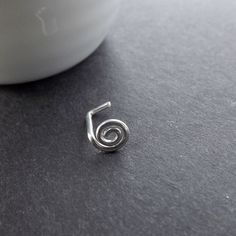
(79, 77)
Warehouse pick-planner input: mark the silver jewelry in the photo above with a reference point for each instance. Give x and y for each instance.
(110, 135)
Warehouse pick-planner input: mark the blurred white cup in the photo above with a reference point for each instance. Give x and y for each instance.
(40, 38)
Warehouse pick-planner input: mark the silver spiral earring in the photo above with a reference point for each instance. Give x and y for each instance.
(110, 135)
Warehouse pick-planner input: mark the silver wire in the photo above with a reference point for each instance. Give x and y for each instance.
(110, 135)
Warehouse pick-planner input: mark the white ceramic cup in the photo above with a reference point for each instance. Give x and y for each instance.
(40, 38)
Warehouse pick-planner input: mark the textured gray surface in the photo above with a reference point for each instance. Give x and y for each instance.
(169, 68)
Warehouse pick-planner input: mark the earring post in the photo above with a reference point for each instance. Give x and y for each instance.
(101, 108)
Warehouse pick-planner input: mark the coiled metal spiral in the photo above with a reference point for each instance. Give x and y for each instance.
(110, 135)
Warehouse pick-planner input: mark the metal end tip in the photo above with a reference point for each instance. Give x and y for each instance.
(109, 104)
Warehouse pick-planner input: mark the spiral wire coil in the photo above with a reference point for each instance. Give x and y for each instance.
(110, 135)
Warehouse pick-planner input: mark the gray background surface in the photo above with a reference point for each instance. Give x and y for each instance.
(169, 68)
